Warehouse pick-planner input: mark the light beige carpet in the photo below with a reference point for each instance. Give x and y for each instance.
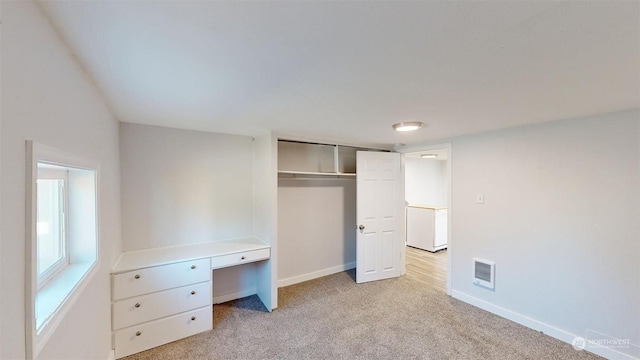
(334, 318)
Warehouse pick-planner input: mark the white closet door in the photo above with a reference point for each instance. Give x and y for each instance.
(380, 208)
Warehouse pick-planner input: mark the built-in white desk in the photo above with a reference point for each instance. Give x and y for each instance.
(132, 260)
(164, 294)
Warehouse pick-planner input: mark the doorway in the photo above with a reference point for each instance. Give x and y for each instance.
(428, 215)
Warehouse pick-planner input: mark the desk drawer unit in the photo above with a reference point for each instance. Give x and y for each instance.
(151, 334)
(144, 281)
(159, 295)
(156, 305)
(153, 306)
(240, 258)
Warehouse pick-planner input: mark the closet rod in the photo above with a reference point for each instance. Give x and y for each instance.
(345, 146)
(318, 178)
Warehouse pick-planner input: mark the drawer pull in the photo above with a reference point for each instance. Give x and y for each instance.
(137, 276)
(193, 318)
(242, 258)
(137, 305)
(193, 292)
(138, 333)
(193, 267)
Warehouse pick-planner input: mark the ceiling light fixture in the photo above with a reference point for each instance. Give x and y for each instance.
(407, 126)
(429, 156)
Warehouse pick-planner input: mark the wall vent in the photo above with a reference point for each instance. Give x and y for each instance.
(484, 273)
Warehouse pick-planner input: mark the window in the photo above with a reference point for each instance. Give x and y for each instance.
(51, 228)
(61, 235)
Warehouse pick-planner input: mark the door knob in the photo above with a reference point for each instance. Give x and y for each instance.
(361, 227)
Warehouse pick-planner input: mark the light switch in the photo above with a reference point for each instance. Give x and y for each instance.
(479, 198)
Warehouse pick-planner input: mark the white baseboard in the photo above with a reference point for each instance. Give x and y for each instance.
(547, 329)
(315, 274)
(112, 355)
(219, 299)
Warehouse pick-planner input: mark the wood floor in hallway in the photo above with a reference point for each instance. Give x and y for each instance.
(427, 267)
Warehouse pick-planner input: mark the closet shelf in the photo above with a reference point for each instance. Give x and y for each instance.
(314, 173)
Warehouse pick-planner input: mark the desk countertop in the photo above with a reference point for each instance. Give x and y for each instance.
(427, 207)
(132, 260)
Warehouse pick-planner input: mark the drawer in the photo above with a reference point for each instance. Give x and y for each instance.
(142, 337)
(149, 307)
(239, 258)
(144, 281)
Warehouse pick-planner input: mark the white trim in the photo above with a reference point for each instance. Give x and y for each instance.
(52, 296)
(57, 268)
(315, 274)
(403, 228)
(111, 355)
(219, 299)
(35, 153)
(536, 325)
(61, 312)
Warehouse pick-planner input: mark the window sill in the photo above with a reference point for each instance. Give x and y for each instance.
(54, 294)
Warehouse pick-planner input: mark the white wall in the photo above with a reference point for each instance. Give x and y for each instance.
(46, 97)
(182, 186)
(561, 220)
(316, 228)
(1, 236)
(265, 195)
(426, 181)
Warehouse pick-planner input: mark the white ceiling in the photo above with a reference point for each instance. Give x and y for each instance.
(346, 71)
(441, 154)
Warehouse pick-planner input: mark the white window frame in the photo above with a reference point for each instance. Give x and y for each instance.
(47, 305)
(52, 172)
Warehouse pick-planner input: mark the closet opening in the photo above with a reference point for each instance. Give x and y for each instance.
(316, 197)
